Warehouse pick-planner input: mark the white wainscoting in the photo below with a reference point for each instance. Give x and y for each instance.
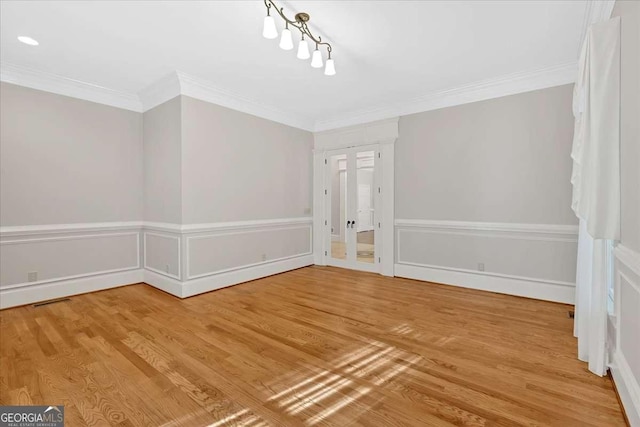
(68, 259)
(530, 260)
(227, 253)
(221, 252)
(245, 274)
(162, 253)
(183, 260)
(625, 360)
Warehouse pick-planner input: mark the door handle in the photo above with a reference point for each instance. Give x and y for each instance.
(348, 224)
(353, 223)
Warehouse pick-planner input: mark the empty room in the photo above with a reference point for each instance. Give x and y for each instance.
(319, 213)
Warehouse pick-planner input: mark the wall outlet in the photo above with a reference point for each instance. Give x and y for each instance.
(32, 276)
(166, 268)
(481, 266)
(264, 257)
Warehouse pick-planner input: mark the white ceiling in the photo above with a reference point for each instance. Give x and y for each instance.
(386, 52)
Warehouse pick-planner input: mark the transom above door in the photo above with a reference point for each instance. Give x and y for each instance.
(352, 217)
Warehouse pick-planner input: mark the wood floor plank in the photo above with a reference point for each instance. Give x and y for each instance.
(318, 346)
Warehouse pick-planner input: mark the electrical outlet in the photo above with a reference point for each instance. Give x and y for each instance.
(166, 268)
(32, 276)
(264, 257)
(481, 266)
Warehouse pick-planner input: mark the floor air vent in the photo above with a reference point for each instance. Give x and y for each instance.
(53, 301)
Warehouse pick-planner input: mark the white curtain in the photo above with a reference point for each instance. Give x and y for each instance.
(596, 183)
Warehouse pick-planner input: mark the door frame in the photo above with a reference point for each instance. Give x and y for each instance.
(384, 134)
(352, 183)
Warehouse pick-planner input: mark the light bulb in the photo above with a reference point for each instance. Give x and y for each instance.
(330, 68)
(286, 41)
(303, 50)
(316, 59)
(269, 30)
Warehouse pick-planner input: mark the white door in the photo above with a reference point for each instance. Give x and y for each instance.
(352, 195)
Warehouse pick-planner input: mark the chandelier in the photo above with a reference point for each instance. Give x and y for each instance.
(286, 39)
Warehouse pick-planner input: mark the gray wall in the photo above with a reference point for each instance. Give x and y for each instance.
(506, 161)
(241, 167)
(630, 121)
(68, 161)
(65, 160)
(500, 160)
(627, 305)
(238, 167)
(163, 162)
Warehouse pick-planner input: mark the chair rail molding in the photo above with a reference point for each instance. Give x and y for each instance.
(626, 317)
(50, 253)
(161, 244)
(52, 239)
(223, 230)
(489, 239)
(550, 232)
(24, 230)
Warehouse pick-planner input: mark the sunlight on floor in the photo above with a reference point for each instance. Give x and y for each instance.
(326, 392)
(241, 418)
(403, 329)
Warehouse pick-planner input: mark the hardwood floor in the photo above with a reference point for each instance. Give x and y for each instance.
(316, 346)
(364, 251)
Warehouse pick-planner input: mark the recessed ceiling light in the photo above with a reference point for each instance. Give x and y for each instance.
(28, 40)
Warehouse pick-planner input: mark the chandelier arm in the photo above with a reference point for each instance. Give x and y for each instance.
(318, 41)
(270, 4)
(301, 26)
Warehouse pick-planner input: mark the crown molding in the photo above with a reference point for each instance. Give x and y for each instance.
(179, 83)
(160, 91)
(510, 84)
(596, 11)
(49, 82)
(204, 90)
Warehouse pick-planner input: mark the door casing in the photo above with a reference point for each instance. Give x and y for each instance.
(382, 134)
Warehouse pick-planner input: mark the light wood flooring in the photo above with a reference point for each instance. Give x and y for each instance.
(316, 346)
(364, 252)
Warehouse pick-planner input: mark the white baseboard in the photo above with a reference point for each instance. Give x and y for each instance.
(164, 283)
(222, 280)
(628, 388)
(64, 288)
(537, 288)
(217, 281)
